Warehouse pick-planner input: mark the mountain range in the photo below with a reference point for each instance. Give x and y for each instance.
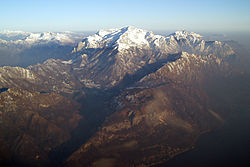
(120, 97)
(18, 48)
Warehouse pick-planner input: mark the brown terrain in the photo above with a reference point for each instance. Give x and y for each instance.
(32, 124)
(108, 108)
(159, 119)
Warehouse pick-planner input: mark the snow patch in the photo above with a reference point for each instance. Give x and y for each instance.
(67, 62)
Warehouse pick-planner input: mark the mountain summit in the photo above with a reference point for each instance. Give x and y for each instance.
(122, 38)
(132, 37)
(144, 99)
(184, 35)
(109, 55)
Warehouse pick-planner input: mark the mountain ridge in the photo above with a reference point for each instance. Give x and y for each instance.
(117, 52)
(142, 104)
(30, 38)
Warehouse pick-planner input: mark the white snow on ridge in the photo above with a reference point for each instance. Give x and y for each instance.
(49, 36)
(28, 38)
(13, 33)
(67, 62)
(134, 37)
(128, 39)
(186, 35)
(124, 38)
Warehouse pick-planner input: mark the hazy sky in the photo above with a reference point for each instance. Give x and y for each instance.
(85, 15)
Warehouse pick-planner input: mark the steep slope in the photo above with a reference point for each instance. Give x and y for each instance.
(105, 59)
(51, 76)
(193, 43)
(151, 90)
(188, 69)
(32, 124)
(108, 56)
(161, 116)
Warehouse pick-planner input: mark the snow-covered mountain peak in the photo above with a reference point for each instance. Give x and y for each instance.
(183, 34)
(48, 36)
(9, 35)
(123, 38)
(131, 40)
(134, 37)
(117, 31)
(29, 38)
